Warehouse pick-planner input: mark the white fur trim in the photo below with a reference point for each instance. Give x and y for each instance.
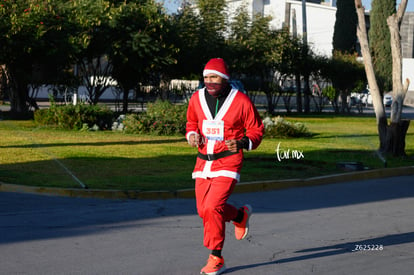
(203, 103)
(226, 105)
(215, 174)
(207, 71)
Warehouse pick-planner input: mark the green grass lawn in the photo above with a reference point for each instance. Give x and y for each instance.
(31, 155)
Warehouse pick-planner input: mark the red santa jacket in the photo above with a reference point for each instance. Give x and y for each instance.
(240, 119)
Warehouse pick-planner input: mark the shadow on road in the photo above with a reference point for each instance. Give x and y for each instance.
(338, 249)
(25, 217)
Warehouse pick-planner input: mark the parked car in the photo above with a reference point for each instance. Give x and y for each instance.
(364, 98)
(387, 99)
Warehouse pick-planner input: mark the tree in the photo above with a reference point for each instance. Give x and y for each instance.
(391, 138)
(344, 72)
(213, 26)
(253, 43)
(238, 41)
(51, 36)
(139, 47)
(320, 81)
(267, 54)
(398, 127)
(187, 38)
(33, 34)
(344, 37)
(286, 56)
(199, 35)
(90, 35)
(379, 42)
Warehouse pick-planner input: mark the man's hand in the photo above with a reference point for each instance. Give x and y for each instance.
(193, 140)
(232, 145)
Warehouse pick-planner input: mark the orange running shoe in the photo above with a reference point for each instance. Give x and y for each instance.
(241, 229)
(215, 266)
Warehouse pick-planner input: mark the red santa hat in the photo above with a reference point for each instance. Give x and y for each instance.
(217, 66)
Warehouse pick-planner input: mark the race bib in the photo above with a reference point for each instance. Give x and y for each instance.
(213, 129)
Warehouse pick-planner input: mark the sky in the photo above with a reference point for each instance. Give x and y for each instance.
(172, 5)
(410, 4)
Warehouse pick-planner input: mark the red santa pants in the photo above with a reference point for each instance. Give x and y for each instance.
(212, 207)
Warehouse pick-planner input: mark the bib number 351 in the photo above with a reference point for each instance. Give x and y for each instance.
(213, 130)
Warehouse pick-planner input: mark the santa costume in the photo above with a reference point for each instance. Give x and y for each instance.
(215, 118)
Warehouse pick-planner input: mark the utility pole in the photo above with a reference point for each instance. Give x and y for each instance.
(306, 88)
(294, 26)
(304, 24)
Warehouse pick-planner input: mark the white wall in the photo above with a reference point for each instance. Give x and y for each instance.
(46, 90)
(320, 21)
(408, 72)
(276, 9)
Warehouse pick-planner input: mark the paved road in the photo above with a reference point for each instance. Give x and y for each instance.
(312, 230)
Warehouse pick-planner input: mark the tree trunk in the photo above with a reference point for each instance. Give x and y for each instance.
(397, 130)
(344, 101)
(392, 137)
(4, 82)
(372, 82)
(298, 94)
(18, 95)
(395, 141)
(306, 92)
(270, 107)
(382, 127)
(125, 101)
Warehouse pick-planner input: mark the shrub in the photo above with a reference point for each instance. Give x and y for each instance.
(75, 117)
(161, 118)
(329, 92)
(136, 124)
(279, 127)
(45, 117)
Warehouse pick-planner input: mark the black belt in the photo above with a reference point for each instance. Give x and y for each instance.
(216, 156)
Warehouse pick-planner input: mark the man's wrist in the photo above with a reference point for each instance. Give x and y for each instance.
(243, 143)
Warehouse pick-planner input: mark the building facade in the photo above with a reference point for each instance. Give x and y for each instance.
(407, 35)
(319, 23)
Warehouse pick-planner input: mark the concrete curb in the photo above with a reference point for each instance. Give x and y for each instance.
(242, 187)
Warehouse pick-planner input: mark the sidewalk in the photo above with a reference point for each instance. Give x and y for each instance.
(242, 187)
